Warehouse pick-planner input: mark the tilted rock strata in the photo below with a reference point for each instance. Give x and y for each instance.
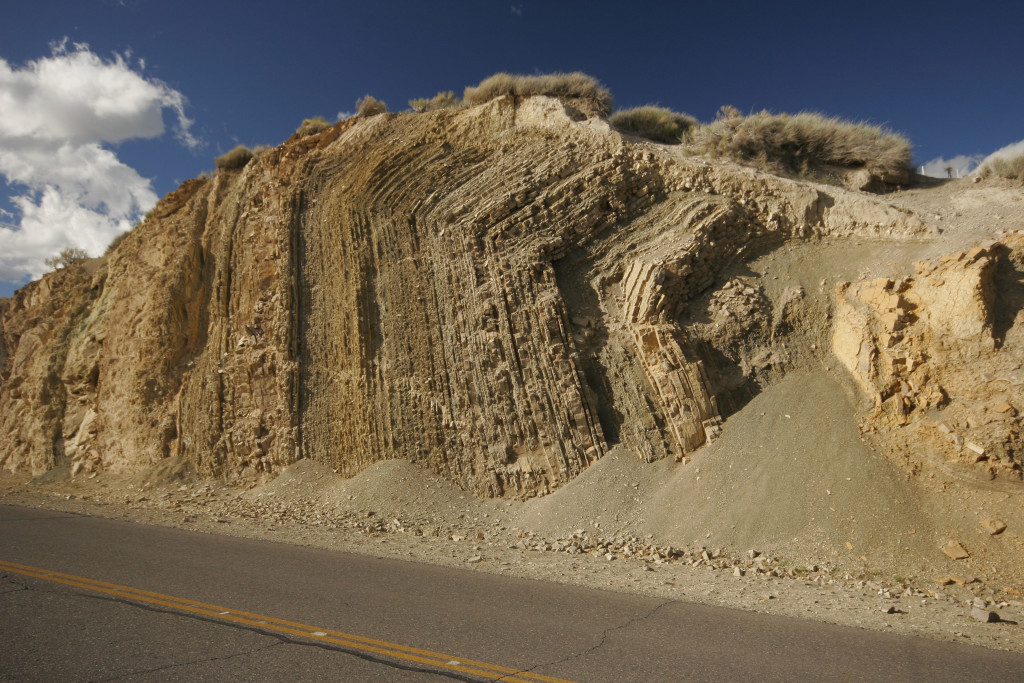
(493, 292)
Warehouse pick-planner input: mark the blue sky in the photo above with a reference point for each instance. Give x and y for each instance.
(949, 75)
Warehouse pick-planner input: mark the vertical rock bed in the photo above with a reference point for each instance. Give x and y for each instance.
(501, 294)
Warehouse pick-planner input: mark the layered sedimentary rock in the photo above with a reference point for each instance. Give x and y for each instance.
(499, 293)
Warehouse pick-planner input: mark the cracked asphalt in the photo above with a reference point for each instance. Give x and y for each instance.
(50, 631)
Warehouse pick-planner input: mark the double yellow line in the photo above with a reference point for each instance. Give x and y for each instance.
(322, 635)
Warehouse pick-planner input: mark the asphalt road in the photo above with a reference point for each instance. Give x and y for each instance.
(90, 599)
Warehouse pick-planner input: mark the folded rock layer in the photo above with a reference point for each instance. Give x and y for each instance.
(498, 293)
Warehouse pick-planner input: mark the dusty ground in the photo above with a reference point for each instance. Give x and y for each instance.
(793, 510)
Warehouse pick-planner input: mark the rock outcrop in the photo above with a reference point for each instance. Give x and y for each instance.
(499, 293)
(938, 355)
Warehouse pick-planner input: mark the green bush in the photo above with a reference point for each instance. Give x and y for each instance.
(442, 100)
(576, 88)
(1007, 167)
(654, 123)
(796, 142)
(370, 106)
(67, 257)
(317, 124)
(235, 159)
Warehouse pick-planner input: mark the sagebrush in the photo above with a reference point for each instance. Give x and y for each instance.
(442, 100)
(317, 124)
(654, 123)
(796, 142)
(369, 105)
(1006, 167)
(577, 88)
(235, 159)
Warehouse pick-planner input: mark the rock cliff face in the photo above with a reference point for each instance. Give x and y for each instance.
(937, 352)
(499, 293)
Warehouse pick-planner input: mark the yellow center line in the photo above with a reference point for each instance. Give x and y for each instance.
(360, 643)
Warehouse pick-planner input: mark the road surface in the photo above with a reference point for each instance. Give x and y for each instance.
(92, 599)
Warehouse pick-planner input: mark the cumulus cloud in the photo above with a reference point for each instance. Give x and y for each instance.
(964, 164)
(1011, 150)
(961, 165)
(56, 115)
(76, 96)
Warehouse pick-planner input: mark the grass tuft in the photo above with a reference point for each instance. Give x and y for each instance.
(795, 143)
(654, 123)
(317, 124)
(577, 89)
(235, 159)
(1006, 167)
(442, 100)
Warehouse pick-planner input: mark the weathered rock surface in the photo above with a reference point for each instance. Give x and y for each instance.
(939, 355)
(498, 293)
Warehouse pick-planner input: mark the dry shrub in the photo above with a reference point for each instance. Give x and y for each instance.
(796, 142)
(442, 100)
(68, 257)
(235, 159)
(1007, 167)
(654, 123)
(370, 106)
(317, 124)
(727, 111)
(576, 88)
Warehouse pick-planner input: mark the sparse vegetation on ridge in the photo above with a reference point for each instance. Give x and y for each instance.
(114, 243)
(317, 124)
(575, 87)
(654, 123)
(796, 142)
(442, 100)
(67, 257)
(369, 105)
(1006, 167)
(235, 159)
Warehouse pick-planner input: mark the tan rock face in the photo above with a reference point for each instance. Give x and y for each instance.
(937, 353)
(496, 292)
(34, 402)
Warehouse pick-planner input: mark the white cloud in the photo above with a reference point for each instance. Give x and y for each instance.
(961, 165)
(78, 97)
(1011, 150)
(56, 113)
